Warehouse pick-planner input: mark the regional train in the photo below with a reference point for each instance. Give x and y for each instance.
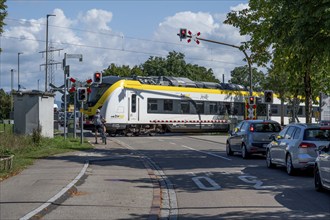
(150, 105)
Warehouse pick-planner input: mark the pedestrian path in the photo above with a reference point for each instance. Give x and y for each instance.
(108, 182)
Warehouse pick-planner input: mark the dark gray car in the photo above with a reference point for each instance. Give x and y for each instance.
(251, 137)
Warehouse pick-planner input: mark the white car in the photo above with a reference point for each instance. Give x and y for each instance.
(295, 146)
(322, 169)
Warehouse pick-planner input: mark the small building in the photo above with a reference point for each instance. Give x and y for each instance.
(34, 110)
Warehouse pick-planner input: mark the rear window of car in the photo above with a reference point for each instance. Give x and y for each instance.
(267, 127)
(318, 134)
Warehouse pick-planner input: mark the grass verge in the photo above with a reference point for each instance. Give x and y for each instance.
(26, 149)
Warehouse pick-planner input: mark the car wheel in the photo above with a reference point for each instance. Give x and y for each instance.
(245, 154)
(317, 180)
(269, 160)
(289, 167)
(228, 150)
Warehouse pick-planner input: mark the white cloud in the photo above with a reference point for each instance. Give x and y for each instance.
(239, 7)
(96, 19)
(91, 35)
(222, 59)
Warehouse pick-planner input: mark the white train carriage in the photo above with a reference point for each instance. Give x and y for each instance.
(135, 108)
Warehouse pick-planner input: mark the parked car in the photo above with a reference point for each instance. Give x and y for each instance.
(295, 146)
(251, 137)
(322, 169)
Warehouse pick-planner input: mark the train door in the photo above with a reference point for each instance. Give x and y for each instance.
(133, 108)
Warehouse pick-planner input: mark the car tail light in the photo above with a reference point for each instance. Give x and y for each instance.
(306, 145)
(251, 128)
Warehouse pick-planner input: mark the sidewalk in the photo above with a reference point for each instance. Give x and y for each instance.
(108, 182)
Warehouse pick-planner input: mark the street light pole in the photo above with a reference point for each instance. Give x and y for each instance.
(11, 89)
(46, 70)
(235, 46)
(18, 85)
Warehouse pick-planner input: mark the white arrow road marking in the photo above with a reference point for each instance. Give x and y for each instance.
(214, 185)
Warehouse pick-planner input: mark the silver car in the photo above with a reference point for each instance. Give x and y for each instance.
(295, 146)
(251, 137)
(322, 169)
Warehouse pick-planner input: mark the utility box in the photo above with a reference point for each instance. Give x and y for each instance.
(33, 110)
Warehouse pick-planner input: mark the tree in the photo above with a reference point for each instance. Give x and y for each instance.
(3, 14)
(114, 70)
(5, 103)
(173, 65)
(290, 32)
(240, 75)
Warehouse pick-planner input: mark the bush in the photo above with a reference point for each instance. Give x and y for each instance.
(28, 148)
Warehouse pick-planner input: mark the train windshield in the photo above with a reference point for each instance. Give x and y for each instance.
(97, 93)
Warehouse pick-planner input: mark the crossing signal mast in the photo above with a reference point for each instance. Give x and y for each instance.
(97, 78)
(268, 95)
(252, 100)
(82, 94)
(183, 34)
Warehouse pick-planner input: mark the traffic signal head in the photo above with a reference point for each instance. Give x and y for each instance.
(82, 94)
(97, 78)
(183, 33)
(268, 96)
(252, 100)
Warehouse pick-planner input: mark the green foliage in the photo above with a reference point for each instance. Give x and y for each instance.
(173, 65)
(36, 135)
(5, 100)
(294, 36)
(26, 150)
(3, 14)
(241, 75)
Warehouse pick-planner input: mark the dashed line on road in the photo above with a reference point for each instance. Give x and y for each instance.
(204, 152)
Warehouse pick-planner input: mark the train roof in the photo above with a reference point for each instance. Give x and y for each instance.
(176, 81)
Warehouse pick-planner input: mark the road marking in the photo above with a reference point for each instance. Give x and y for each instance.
(214, 185)
(211, 154)
(257, 183)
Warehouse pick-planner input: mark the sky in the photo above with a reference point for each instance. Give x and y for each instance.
(108, 31)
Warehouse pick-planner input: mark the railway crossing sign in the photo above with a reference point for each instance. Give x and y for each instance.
(250, 110)
(250, 113)
(57, 89)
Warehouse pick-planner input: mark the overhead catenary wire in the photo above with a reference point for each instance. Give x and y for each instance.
(122, 37)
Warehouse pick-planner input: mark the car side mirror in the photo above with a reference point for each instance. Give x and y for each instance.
(324, 148)
(273, 137)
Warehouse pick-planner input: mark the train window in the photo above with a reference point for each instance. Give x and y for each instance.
(152, 105)
(238, 108)
(224, 108)
(301, 111)
(274, 109)
(185, 107)
(213, 108)
(200, 107)
(261, 109)
(168, 105)
(133, 102)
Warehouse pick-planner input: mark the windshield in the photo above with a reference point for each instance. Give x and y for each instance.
(319, 134)
(267, 127)
(96, 94)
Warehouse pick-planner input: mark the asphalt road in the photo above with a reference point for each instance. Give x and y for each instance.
(210, 185)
